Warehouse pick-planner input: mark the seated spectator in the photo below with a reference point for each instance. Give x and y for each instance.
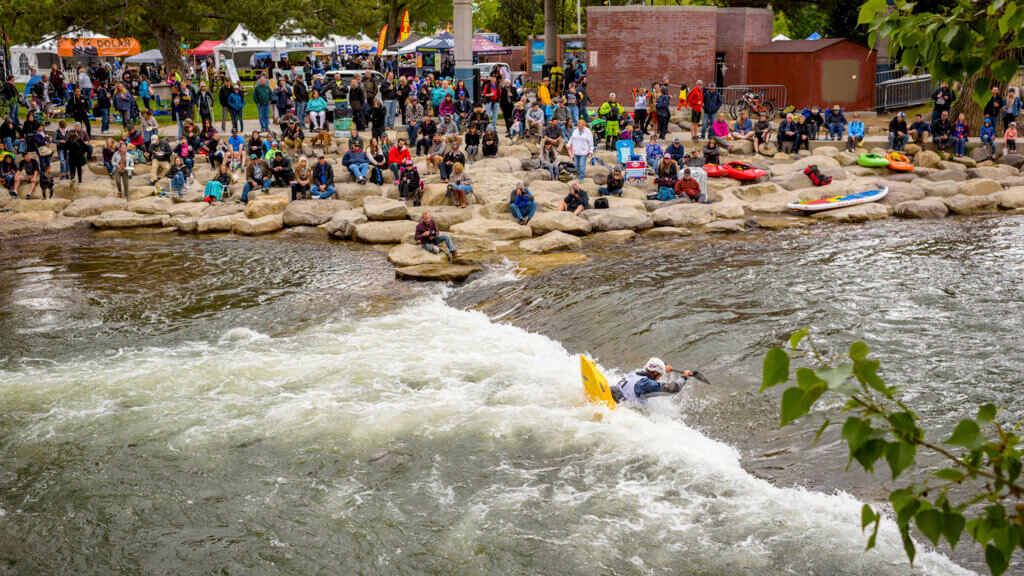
(653, 153)
(461, 185)
(988, 136)
(711, 153)
(8, 170)
(28, 171)
(11, 136)
(184, 151)
(281, 169)
(720, 131)
(788, 135)
(814, 122)
(942, 131)
(1010, 137)
(919, 130)
(354, 139)
(302, 176)
(472, 142)
(855, 133)
(676, 151)
(108, 155)
(626, 133)
(46, 181)
(534, 121)
(429, 237)
(410, 186)
(489, 143)
(898, 135)
(803, 135)
(553, 136)
(451, 158)
(762, 133)
(357, 163)
(836, 123)
(666, 176)
(436, 154)
(518, 128)
(576, 202)
(613, 186)
(688, 187)
(397, 156)
(178, 174)
(521, 204)
(292, 135)
(743, 128)
(215, 188)
(257, 175)
(322, 184)
(448, 127)
(961, 133)
(427, 132)
(549, 160)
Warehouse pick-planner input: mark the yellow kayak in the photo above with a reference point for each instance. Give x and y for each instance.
(594, 384)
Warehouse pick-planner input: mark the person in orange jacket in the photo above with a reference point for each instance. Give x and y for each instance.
(695, 100)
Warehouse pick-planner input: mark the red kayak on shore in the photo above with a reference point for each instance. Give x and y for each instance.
(715, 170)
(743, 171)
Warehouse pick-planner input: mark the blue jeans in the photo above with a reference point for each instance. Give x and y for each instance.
(13, 113)
(575, 113)
(581, 165)
(105, 119)
(236, 120)
(190, 162)
(248, 186)
(527, 212)
(990, 142)
(606, 192)
(264, 112)
(300, 110)
(960, 146)
(126, 117)
(390, 106)
(328, 191)
(835, 130)
(463, 188)
(394, 169)
(412, 130)
(897, 142)
(13, 145)
(177, 183)
(63, 155)
(359, 170)
(705, 123)
(109, 167)
(439, 239)
(492, 112)
(145, 102)
(444, 170)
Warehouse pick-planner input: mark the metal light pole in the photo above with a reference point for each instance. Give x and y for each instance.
(578, 28)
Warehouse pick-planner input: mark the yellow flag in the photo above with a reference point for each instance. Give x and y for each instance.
(380, 41)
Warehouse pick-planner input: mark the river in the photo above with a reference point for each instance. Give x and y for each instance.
(173, 405)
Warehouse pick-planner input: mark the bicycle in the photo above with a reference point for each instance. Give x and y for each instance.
(755, 104)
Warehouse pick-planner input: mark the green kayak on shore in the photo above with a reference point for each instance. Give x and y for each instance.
(872, 160)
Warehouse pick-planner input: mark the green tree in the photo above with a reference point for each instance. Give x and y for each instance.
(982, 455)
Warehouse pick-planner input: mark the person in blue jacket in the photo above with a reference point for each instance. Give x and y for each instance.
(357, 163)
(988, 136)
(644, 383)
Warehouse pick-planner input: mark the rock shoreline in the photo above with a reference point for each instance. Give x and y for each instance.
(371, 214)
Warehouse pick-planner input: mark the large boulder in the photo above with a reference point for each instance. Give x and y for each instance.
(560, 221)
(939, 189)
(680, 215)
(991, 172)
(444, 216)
(472, 244)
(725, 226)
(492, 229)
(126, 219)
(151, 205)
(959, 164)
(213, 224)
(343, 223)
(37, 216)
(948, 174)
(355, 194)
(187, 209)
(618, 219)
(266, 205)
(964, 205)
(257, 226)
(219, 209)
(504, 164)
(553, 241)
(93, 206)
(923, 208)
(39, 205)
(859, 213)
(380, 209)
(900, 192)
(1009, 199)
(980, 154)
(312, 212)
(414, 255)
(727, 210)
(1015, 160)
(389, 232)
(846, 158)
(755, 191)
(441, 272)
(979, 187)
(927, 159)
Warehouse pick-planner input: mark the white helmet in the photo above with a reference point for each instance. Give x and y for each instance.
(655, 365)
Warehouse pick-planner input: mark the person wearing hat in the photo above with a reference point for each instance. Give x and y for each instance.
(576, 201)
(612, 112)
(653, 152)
(448, 127)
(322, 185)
(257, 175)
(712, 102)
(159, 155)
(236, 103)
(987, 135)
(898, 133)
(665, 178)
(814, 121)
(836, 123)
(695, 100)
(675, 150)
(613, 185)
(413, 117)
(687, 187)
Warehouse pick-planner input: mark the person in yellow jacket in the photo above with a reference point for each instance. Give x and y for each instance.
(612, 112)
(544, 93)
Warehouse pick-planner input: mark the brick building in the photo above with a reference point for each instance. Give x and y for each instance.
(630, 46)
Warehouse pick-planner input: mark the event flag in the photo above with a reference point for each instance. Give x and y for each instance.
(404, 29)
(380, 41)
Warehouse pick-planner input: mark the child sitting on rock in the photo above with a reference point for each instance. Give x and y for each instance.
(410, 186)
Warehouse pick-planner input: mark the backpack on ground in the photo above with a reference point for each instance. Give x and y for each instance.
(817, 178)
(375, 176)
(600, 203)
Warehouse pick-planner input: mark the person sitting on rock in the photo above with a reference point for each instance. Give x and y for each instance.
(855, 133)
(429, 237)
(28, 171)
(322, 185)
(472, 143)
(549, 160)
(577, 201)
(357, 163)
(489, 143)
(451, 158)
(427, 131)
(281, 169)
(743, 128)
(292, 135)
(257, 175)
(8, 170)
(762, 132)
(688, 187)
(919, 130)
(410, 186)
(898, 134)
(301, 178)
(987, 135)
(159, 156)
(711, 153)
(534, 122)
(788, 134)
(942, 131)
(666, 176)
(613, 186)
(397, 156)
(461, 185)
(436, 153)
(836, 123)
(354, 139)
(803, 134)
(522, 204)
(448, 127)
(178, 174)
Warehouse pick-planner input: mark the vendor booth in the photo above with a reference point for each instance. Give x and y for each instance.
(28, 59)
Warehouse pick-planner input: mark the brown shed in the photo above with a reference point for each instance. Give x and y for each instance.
(822, 72)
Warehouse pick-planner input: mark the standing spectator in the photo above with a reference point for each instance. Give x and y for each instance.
(994, 108)
(662, 108)
(855, 133)
(961, 132)
(357, 102)
(9, 94)
(507, 101)
(123, 104)
(261, 96)
(695, 101)
(300, 94)
(78, 106)
(712, 102)
(282, 98)
(103, 107)
(223, 97)
(491, 99)
(580, 147)
(204, 101)
(236, 104)
(919, 129)
(78, 154)
(1011, 108)
(898, 132)
(378, 119)
(943, 98)
(1010, 137)
(60, 140)
(639, 108)
(389, 96)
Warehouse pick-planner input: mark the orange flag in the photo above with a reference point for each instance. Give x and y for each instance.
(380, 41)
(404, 29)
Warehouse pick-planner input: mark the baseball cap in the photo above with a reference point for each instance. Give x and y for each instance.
(700, 81)
(712, 84)
(612, 95)
(319, 155)
(676, 140)
(252, 156)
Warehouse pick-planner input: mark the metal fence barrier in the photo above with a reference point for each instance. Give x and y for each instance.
(897, 73)
(904, 92)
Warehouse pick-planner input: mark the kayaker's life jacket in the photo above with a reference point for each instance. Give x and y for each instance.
(628, 387)
(816, 177)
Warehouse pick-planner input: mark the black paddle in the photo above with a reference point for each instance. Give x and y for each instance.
(701, 377)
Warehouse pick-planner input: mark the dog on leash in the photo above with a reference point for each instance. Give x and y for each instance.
(324, 139)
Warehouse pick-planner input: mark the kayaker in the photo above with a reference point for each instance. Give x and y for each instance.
(644, 383)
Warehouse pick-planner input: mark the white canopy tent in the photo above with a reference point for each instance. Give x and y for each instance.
(410, 48)
(29, 59)
(780, 37)
(148, 57)
(241, 43)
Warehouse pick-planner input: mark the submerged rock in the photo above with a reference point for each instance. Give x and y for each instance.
(442, 272)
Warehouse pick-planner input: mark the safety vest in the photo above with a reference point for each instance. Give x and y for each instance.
(628, 387)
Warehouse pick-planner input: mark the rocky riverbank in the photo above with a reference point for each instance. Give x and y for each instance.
(371, 214)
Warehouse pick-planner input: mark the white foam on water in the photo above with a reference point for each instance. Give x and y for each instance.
(433, 374)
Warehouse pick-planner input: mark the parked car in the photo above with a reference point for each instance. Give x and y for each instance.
(486, 68)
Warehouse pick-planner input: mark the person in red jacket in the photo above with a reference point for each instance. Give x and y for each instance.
(492, 96)
(398, 154)
(696, 102)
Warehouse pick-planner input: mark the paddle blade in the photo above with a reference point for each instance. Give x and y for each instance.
(701, 377)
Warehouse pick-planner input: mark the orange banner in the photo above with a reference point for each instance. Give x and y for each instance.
(380, 41)
(103, 46)
(404, 29)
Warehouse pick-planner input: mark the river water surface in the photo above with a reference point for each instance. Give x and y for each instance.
(238, 406)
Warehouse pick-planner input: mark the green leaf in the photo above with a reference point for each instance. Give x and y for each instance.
(947, 35)
(981, 94)
(953, 527)
(904, 426)
(908, 545)
(866, 373)
(868, 11)
(776, 368)
(821, 430)
(835, 378)
(869, 453)
(966, 434)
(874, 535)
(930, 524)
(1006, 19)
(986, 414)
(796, 337)
(899, 455)
(997, 562)
(856, 431)
(859, 351)
(867, 516)
(1004, 70)
(797, 401)
(949, 474)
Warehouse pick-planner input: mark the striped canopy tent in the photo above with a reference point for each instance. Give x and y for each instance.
(482, 45)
